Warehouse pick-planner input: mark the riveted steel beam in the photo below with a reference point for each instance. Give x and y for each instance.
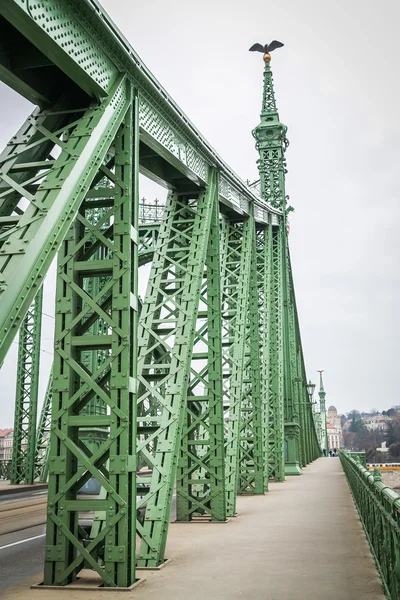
(200, 484)
(168, 323)
(93, 320)
(43, 434)
(276, 455)
(237, 255)
(26, 398)
(265, 296)
(76, 41)
(251, 455)
(53, 192)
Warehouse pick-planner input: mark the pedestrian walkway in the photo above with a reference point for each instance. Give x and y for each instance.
(303, 540)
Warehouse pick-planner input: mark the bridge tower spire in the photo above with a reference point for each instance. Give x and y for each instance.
(271, 143)
(289, 400)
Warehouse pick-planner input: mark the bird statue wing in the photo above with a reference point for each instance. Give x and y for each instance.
(274, 45)
(256, 48)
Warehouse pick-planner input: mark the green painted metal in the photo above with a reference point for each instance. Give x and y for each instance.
(173, 145)
(235, 298)
(111, 255)
(292, 427)
(308, 434)
(276, 451)
(219, 310)
(200, 485)
(168, 322)
(251, 455)
(270, 137)
(54, 188)
(147, 242)
(43, 434)
(286, 372)
(265, 301)
(379, 509)
(26, 397)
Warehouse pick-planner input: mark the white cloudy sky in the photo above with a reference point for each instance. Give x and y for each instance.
(337, 88)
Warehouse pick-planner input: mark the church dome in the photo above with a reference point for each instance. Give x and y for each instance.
(332, 409)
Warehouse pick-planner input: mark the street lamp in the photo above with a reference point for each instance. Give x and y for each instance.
(310, 389)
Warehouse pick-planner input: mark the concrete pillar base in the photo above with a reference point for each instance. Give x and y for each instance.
(292, 469)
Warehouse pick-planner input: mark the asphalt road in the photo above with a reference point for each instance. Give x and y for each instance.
(24, 495)
(22, 541)
(21, 555)
(22, 535)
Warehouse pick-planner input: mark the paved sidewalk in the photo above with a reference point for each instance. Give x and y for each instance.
(303, 540)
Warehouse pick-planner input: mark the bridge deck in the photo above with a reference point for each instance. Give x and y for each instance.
(301, 541)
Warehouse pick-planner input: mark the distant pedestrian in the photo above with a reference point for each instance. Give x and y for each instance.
(334, 452)
(330, 453)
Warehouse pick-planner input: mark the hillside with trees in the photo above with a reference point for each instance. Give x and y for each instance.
(357, 436)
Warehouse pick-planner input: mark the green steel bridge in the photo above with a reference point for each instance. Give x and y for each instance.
(199, 389)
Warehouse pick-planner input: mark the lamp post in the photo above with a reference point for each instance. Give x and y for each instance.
(316, 415)
(322, 409)
(310, 390)
(310, 416)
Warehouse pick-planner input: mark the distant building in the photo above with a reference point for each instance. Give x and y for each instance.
(334, 429)
(377, 423)
(6, 443)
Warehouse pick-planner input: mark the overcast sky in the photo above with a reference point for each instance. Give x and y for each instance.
(337, 90)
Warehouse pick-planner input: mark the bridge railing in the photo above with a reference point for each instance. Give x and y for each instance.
(151, 212)
(379, 509)
(5, 469)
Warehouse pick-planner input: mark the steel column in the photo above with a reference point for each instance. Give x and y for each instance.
(265, 295)
(251, 455)
(26, 397)
(200, 484)
(276, 400)
(42, 446)
(166, 337)
(113, 463)
(235, 290)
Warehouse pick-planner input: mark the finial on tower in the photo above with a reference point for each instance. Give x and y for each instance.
(266, 49)
(321, 384)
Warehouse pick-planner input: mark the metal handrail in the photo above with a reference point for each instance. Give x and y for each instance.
(379, 509)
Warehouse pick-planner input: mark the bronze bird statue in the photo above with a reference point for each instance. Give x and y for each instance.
(266, 49)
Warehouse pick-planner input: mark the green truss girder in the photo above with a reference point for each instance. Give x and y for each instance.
(89, 55)
(42, 446)
(147, 243)
(53, 188)
(276, 454)
(292, 426)
(251, 439)
(237, 254)
(104, 248)
(200, 485)
(265, 299)
(311, 443)
(148, 235)
(168, 323)
(26, 397)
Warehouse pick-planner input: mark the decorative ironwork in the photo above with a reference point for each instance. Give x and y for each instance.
(379, 508)
(151, 212)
